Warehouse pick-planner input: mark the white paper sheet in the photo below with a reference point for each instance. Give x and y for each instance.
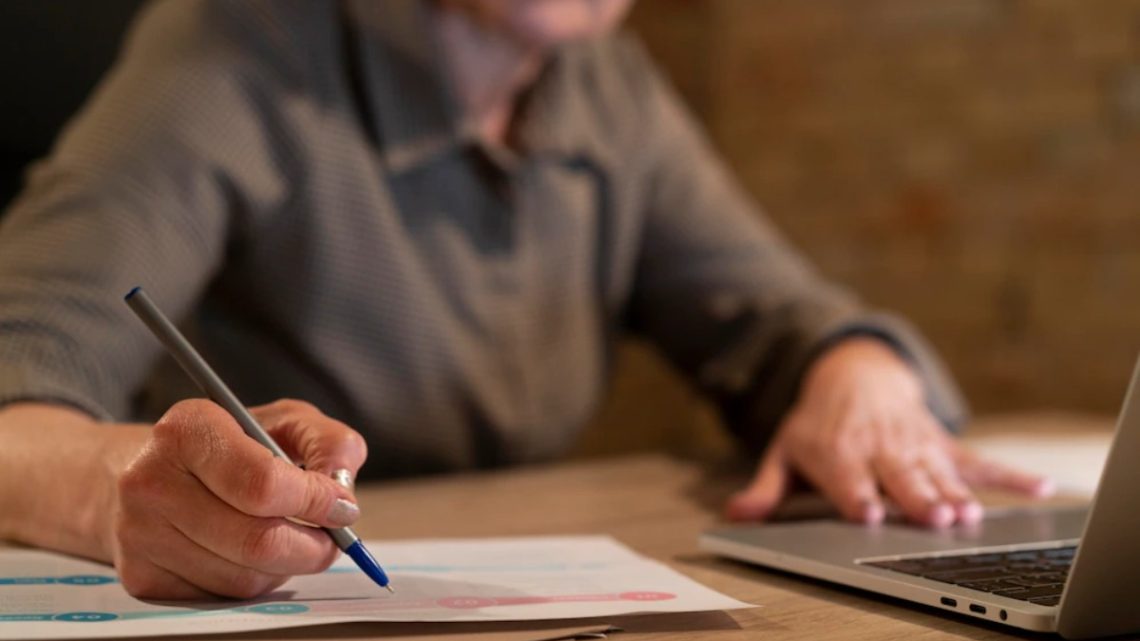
(1074, 462)
(47, 596)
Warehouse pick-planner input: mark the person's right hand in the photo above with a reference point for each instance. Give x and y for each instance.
(204, 510)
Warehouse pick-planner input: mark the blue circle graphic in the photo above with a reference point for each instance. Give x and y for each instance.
(279, 608)
(85, 617)
(86, 579)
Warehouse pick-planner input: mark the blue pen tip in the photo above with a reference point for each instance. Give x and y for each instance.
(365, 562)
(133, 291)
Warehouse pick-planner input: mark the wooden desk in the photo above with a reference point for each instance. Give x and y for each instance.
(658, 506)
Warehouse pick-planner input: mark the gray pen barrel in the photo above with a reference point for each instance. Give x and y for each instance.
(209, 382)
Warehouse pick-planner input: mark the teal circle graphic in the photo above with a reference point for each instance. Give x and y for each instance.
(86, 579)
(279, 608)
(85, 617)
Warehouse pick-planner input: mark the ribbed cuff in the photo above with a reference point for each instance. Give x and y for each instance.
(27, 386)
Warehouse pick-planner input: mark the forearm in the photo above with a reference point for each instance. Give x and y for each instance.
(57, 476)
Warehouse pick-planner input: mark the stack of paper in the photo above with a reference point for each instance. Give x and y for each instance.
(44, 595)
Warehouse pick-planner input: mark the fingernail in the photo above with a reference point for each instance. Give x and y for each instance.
(941, 515)
(343, 477)
(971, 512)
(343, 513)
(1045, 488)
(873, 512)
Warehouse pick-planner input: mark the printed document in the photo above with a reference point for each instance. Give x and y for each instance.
(49, 596)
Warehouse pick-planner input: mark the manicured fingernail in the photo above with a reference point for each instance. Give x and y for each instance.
(941, 515)
(1045, 488)
(971, 513)
(343, 477)
(343, 513)
(873, 512)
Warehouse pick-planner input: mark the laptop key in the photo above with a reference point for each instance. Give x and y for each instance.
(1034, 580)
(1036, 567)
(1024, 574)
(949, 563)
(991, 586)
(1046, 600)
(1040, 591)
(961, 576)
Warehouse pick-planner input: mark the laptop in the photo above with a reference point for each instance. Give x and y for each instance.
(1071, 571)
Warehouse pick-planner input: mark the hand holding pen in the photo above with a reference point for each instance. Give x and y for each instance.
(203, 510)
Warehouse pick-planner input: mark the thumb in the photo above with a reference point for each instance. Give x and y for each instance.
(267, 486)
(322, 501)
(757, 501)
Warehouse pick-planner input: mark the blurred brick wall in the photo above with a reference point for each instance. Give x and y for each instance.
(972, 164)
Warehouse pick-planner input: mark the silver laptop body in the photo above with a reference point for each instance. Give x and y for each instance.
(1098, 598)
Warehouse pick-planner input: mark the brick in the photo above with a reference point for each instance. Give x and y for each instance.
(971, 164)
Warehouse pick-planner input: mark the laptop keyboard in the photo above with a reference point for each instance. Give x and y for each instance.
(1037, 576)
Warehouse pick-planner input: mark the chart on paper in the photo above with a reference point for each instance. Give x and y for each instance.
(44, 595)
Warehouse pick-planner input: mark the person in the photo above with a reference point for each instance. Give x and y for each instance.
(431, 220)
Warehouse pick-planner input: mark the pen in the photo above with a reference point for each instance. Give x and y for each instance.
(209, 382)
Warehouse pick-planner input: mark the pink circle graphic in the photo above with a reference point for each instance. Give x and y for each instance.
(646, 596)
(465, 602)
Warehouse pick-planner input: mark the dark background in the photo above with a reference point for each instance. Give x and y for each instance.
(52, 52)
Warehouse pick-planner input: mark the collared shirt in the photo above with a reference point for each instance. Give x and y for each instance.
(292, 182)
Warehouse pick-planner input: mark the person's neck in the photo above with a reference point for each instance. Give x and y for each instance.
(488, 71)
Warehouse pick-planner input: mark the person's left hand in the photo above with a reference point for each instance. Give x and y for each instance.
(861, 425)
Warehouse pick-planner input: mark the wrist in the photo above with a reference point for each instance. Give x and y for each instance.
(119, 446)
(863, 359)
(57, 477)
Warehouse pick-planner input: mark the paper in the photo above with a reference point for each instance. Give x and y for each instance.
(1074, 462)
(44, 595)
(502, 631)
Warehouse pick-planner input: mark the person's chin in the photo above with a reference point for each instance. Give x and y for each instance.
(556, 26)
(556, 36)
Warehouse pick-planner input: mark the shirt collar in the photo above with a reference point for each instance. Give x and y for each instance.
(562, 116)
(416, 114)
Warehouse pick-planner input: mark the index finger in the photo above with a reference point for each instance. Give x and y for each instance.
(321, 442)
(207, 442)
(981, 473)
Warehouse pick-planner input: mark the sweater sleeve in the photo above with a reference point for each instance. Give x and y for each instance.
(729, 300)
(141, 188)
